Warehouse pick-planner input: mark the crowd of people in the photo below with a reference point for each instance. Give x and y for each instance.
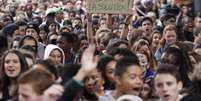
(53, 50)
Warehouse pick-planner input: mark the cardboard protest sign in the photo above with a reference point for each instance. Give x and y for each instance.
(110, 6)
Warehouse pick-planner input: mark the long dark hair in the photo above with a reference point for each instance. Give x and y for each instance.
(102, 65)
(4, 79)
(183, 62)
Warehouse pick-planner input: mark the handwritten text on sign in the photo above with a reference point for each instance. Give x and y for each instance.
(110, 6)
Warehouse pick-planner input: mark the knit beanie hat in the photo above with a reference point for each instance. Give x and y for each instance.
(9, 29)
(34, 26)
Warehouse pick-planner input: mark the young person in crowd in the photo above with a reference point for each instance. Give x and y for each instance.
(155, 40)
(169, 37)
(129, 79)
(12, 66)
(107, 66)
(56, 35)
(33, 83)
(54, 53)
(168, 83)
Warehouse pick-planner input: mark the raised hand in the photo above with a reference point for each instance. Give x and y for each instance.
(88, 62)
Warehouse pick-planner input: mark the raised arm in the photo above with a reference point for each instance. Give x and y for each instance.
(73, 87)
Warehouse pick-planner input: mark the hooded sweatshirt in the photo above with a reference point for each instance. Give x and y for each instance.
(49, 48)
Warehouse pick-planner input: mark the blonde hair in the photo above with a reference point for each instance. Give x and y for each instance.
(169, 27)
(141, 42)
